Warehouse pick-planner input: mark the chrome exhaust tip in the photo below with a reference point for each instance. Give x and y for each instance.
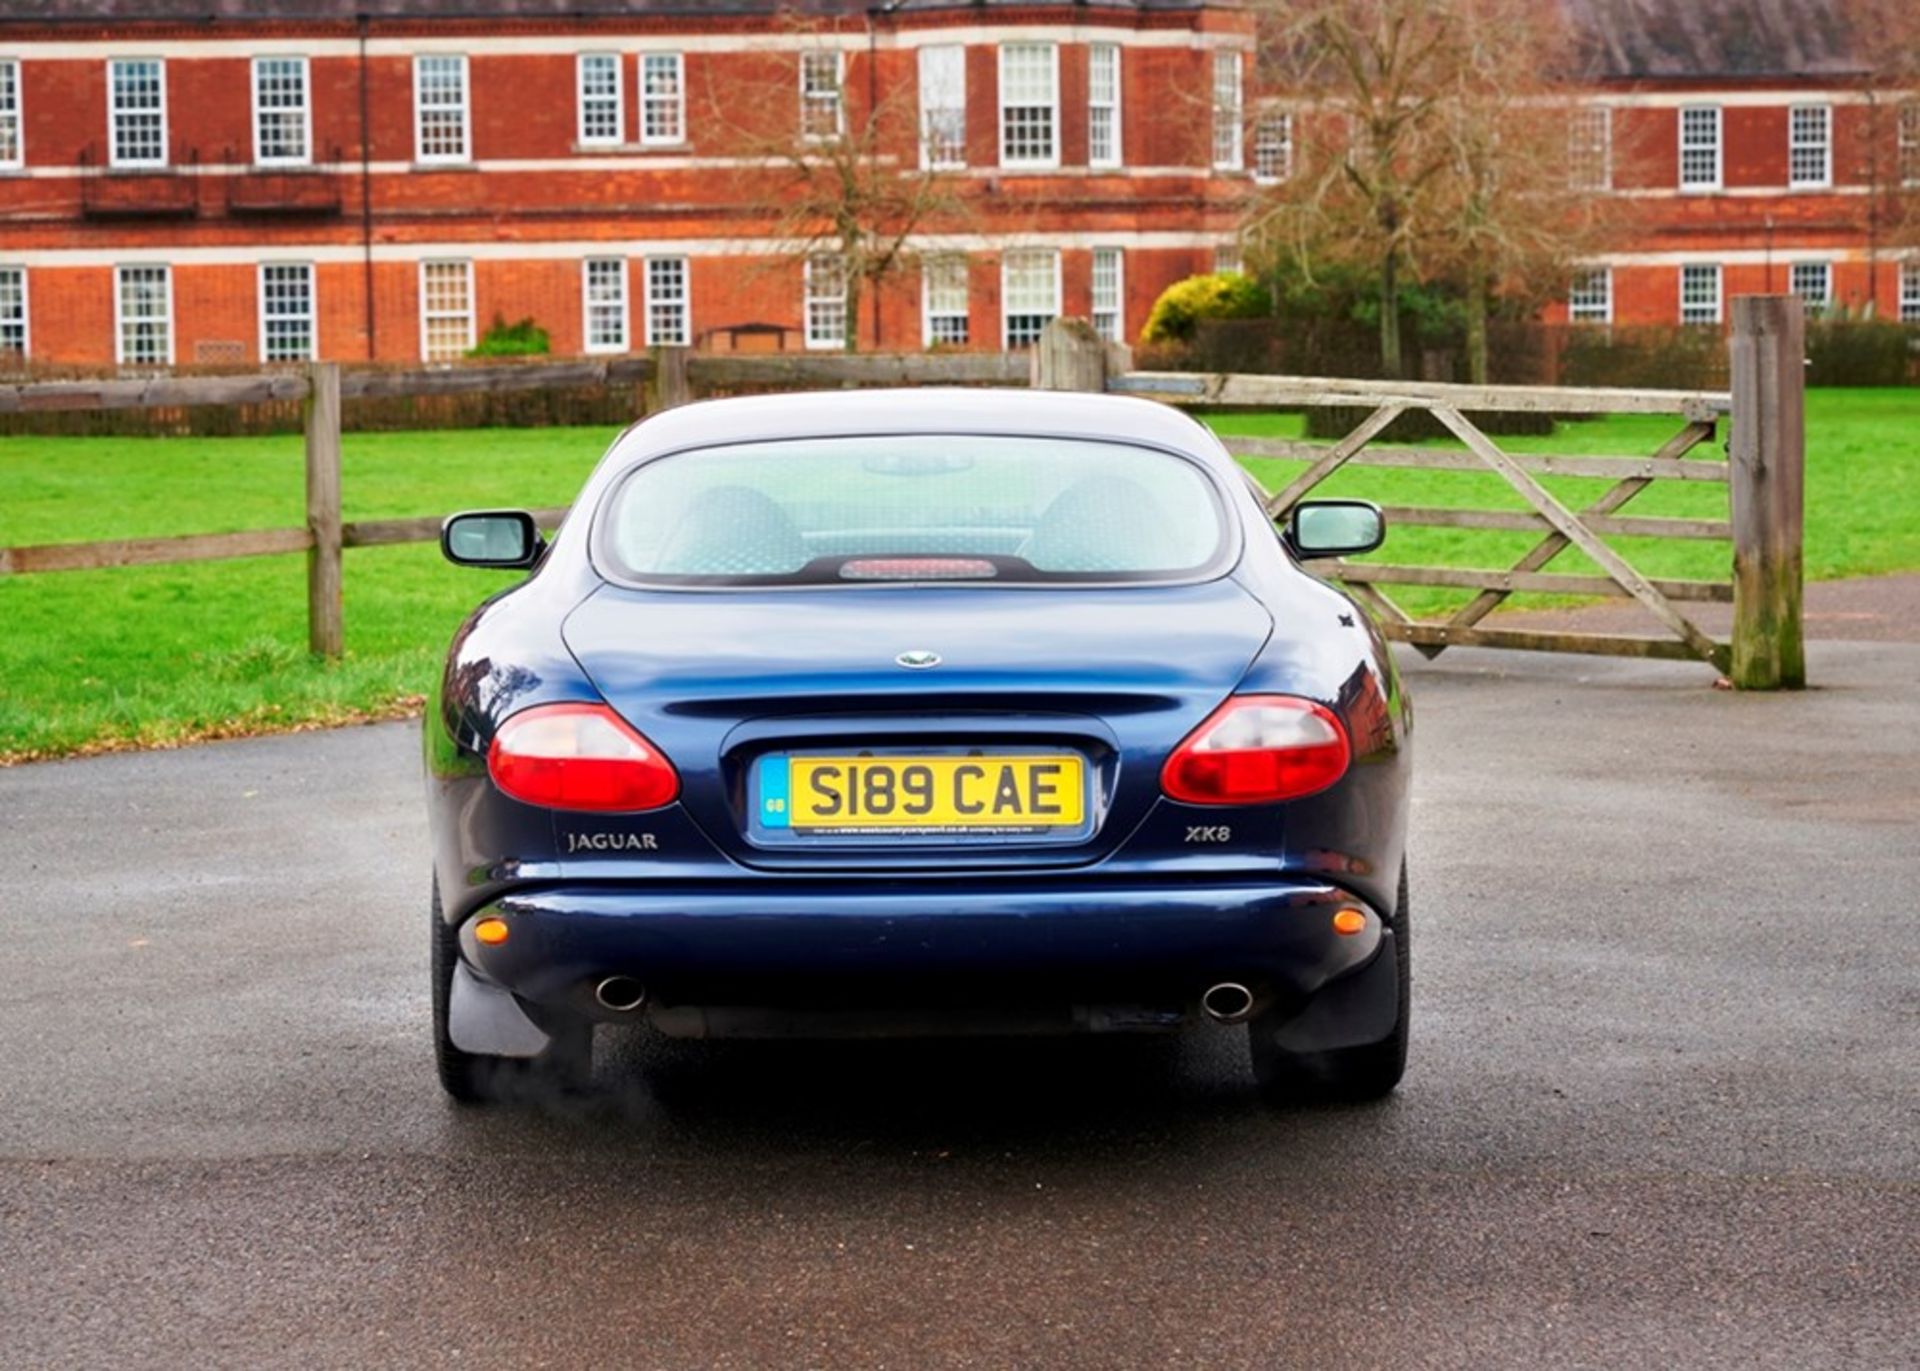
(1228, 1002)
(621, 994)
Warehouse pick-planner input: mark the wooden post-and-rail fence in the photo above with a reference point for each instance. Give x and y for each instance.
(668, 377)
(1765, 411)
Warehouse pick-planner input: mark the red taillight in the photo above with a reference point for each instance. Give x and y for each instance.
(1256, 749)
(579, 757)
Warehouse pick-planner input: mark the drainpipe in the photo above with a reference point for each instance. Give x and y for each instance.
(881, 11)
(366, 194)
(1874, 116)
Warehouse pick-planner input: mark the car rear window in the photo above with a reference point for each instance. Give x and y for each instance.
(949, 508)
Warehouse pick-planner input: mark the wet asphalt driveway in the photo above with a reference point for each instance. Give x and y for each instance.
(1664, 1107)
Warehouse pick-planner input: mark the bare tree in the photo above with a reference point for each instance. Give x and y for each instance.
(1884, 35)
(835, 167)
(1437, 138)
(1526, 195)
(1371, 75)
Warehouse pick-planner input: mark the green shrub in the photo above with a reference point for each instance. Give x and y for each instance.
(1655, 356)
(1222, 295)
(522, 339)
(1858, 352)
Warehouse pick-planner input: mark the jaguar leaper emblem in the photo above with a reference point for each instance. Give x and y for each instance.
(918, 659)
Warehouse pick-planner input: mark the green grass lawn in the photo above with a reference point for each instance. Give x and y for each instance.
(156, 654)
(152, 655)
(1862, 493)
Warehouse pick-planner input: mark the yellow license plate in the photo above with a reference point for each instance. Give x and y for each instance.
(1004, 792)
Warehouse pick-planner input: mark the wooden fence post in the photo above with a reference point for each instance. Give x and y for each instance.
(326, 635)
(670, 384)
(1070, 356)
(1768, 448)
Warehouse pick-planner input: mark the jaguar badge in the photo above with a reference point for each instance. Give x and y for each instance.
(919, 659)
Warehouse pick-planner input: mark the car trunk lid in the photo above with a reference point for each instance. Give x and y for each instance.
(726, 682)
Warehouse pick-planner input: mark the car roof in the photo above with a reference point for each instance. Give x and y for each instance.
(953, 409)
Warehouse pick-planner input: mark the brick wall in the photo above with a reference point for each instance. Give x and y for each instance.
(534, 185)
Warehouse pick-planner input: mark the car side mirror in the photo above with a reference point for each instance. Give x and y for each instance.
(501, 538)
(1335, 528)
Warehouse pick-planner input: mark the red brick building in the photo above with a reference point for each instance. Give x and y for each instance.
(209, 181)
(1762, 150)
(215, 182)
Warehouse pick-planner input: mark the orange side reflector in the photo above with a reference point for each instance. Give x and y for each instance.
(1346, 923)
(491, 931)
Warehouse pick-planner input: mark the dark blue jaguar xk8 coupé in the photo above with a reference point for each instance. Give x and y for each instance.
(919, 711)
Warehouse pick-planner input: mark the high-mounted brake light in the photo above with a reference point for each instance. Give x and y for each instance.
(581, 757)
(1258, 749)
(917, 569)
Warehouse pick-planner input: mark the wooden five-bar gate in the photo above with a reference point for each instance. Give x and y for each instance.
(1764, 413)
(1763, 475)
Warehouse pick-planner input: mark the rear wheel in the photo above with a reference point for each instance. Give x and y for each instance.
(475, 1078)
(1363, 1072)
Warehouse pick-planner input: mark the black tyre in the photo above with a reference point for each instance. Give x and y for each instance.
(1365, 1072)
(471, 1078)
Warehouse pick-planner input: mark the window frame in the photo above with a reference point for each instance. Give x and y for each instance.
(809, 297)
(1118, 310)
(1719, 149)
(1719, 294)
(311, 317)
(26, 308)
(305, 157)
(1051, 160)
(1907, 301)
(15, 115)
(929, 315)
(582, 99)
(1590, 144)
(426, 316)
(115, 111)
(809, 100)
(677, 101)
(1907, 143)
(587, 302)
(1825, 268)
(1604, 315)
(421, 156)
(1824, 145)
(120, 319)
(650, 299)
(1110, 54)
(928, 160)
(1229, 105)
(1006, 296)
(1263, 122)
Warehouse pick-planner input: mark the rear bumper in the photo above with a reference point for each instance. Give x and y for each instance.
(970, 943)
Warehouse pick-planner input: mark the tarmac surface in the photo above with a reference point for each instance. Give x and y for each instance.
(1663, 1109)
